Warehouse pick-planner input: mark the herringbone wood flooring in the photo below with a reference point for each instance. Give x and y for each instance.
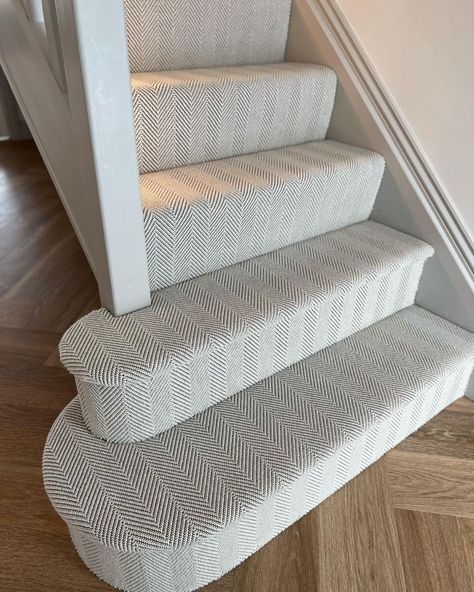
(404, 525)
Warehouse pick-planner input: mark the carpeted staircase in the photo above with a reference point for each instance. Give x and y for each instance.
(282, 353)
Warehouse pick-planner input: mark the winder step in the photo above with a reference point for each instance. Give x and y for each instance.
(206, 339)
(179, 510)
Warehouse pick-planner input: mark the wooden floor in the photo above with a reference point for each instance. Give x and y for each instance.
(404, 525)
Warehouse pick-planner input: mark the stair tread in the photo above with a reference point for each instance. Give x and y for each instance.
(281, 365)
(210, 215)
(189, 116)
(207, 338)
(177, 34)
(211, 471)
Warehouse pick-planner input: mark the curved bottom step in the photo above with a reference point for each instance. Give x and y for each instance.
(178, 511)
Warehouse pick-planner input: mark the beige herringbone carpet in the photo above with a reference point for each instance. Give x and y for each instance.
(404, 525)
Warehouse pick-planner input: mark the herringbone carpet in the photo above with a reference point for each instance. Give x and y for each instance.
(160, 33)
(187, 207)
(404, 525)
(179, 121)
(140, 374)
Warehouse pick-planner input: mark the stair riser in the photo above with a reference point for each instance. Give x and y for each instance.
(211, 116)
(178, 34)
(137, 411)
(188, 568)
(239, 210)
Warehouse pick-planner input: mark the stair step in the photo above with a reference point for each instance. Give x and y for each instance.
(207, 216)
(189, 116)
(205, 339)
(179, 510)
(178, 34)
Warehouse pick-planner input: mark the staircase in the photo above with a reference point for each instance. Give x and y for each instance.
(283, 351)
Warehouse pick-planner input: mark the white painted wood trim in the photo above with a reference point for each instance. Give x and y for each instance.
(406, 146)
(34, 8)
(55, 52)
(411, 198)
(86, 137)
(94, 45)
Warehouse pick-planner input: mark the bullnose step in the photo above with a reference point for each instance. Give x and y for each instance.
(188, 116)
(206, 339)
(179, 510)
(211, 215)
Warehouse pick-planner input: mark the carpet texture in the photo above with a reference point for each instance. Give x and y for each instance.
(181, 509)
(208, 338)
(189, 116)
(179, 34)
(211, 215)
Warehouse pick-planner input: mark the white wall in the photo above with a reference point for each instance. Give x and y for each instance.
(424, 52)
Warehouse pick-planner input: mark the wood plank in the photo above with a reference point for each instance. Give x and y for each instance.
(463, 406)
(31, 253)
(37, 562)
(15, 313)
(438, 552)
(288, 563)
(431, 483)
(24, 503)
(359, 549)
(53, 360)
(46, 282)
(21, 224)
(452, 432)
(28, 407)
(23, 347)
(61, 283)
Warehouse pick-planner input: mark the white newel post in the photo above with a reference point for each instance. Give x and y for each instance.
(94, 50)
